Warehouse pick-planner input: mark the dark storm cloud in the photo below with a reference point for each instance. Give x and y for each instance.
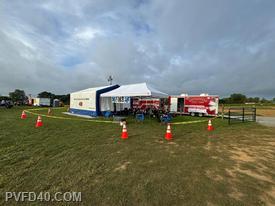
(211, 46)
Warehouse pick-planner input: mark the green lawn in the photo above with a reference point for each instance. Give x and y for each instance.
(233, 165)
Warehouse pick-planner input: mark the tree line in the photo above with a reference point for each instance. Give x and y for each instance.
(19, 97)
(241, 99)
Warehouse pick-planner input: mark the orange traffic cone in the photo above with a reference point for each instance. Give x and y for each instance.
(23, 115)
(39, 122)
(210, 127)
(124, 134)
(168, 135)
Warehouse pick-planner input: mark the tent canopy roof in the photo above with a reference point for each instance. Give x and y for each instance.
(135, 90)
(94, 89)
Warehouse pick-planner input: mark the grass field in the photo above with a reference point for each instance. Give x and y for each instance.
(233, 165)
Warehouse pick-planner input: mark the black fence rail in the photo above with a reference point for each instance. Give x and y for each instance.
(241, 114)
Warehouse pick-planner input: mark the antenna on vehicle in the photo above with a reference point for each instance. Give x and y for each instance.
(110, 80)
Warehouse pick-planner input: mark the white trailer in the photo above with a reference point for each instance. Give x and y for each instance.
(201, 105)
(42, 102)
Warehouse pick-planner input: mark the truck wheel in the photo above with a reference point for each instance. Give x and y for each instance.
(193, 114)
(200, 114)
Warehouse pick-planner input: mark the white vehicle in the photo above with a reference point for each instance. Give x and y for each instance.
(42, 102)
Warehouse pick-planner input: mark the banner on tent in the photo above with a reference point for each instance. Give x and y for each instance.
(121, 100)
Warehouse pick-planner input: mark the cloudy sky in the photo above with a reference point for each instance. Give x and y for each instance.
(193, 46)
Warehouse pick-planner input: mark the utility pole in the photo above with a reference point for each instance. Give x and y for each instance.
(110, 80)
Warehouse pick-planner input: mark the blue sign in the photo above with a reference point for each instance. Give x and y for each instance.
(121, 100)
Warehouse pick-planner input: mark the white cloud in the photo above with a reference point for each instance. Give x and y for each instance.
(185, 45)
(87, 33)
(176, 60)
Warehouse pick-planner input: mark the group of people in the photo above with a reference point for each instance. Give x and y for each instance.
(159, 114)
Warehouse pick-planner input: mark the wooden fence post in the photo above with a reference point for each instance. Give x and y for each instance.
(229, 117)
(243, 114)
(222, 111)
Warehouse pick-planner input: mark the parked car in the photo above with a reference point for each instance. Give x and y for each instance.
(6, 103)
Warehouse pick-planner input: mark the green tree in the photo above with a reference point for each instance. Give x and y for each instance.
(4, 98)
(18, 96)
(264, 100)
(238, 98)
(46, 94)
(63, 98)
(257, 99)
(225, 101)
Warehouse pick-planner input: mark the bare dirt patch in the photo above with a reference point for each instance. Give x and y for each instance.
(159, 141)
(269, 197)
(249, 154)
(251, 160)
(208, 146)
(210, 203)
(173, 143)
(213, 175)
(122, 166)
(266, 112)
(255, 175)
(230, 172)
(235, 194)
(241, 155)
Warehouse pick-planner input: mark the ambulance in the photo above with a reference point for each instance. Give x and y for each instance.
(194, 105)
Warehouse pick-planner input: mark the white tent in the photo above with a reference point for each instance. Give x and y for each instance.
(135, 90)
(88, 101)
(132, 90)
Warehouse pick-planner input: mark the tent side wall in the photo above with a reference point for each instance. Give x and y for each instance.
(88, 102)
(100, 106)
(106, 104)
(83, 103)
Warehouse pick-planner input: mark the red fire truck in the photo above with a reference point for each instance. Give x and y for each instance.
(143, 104)
(201, 105)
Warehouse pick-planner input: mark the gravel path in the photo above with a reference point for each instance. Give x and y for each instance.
(267, 121)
